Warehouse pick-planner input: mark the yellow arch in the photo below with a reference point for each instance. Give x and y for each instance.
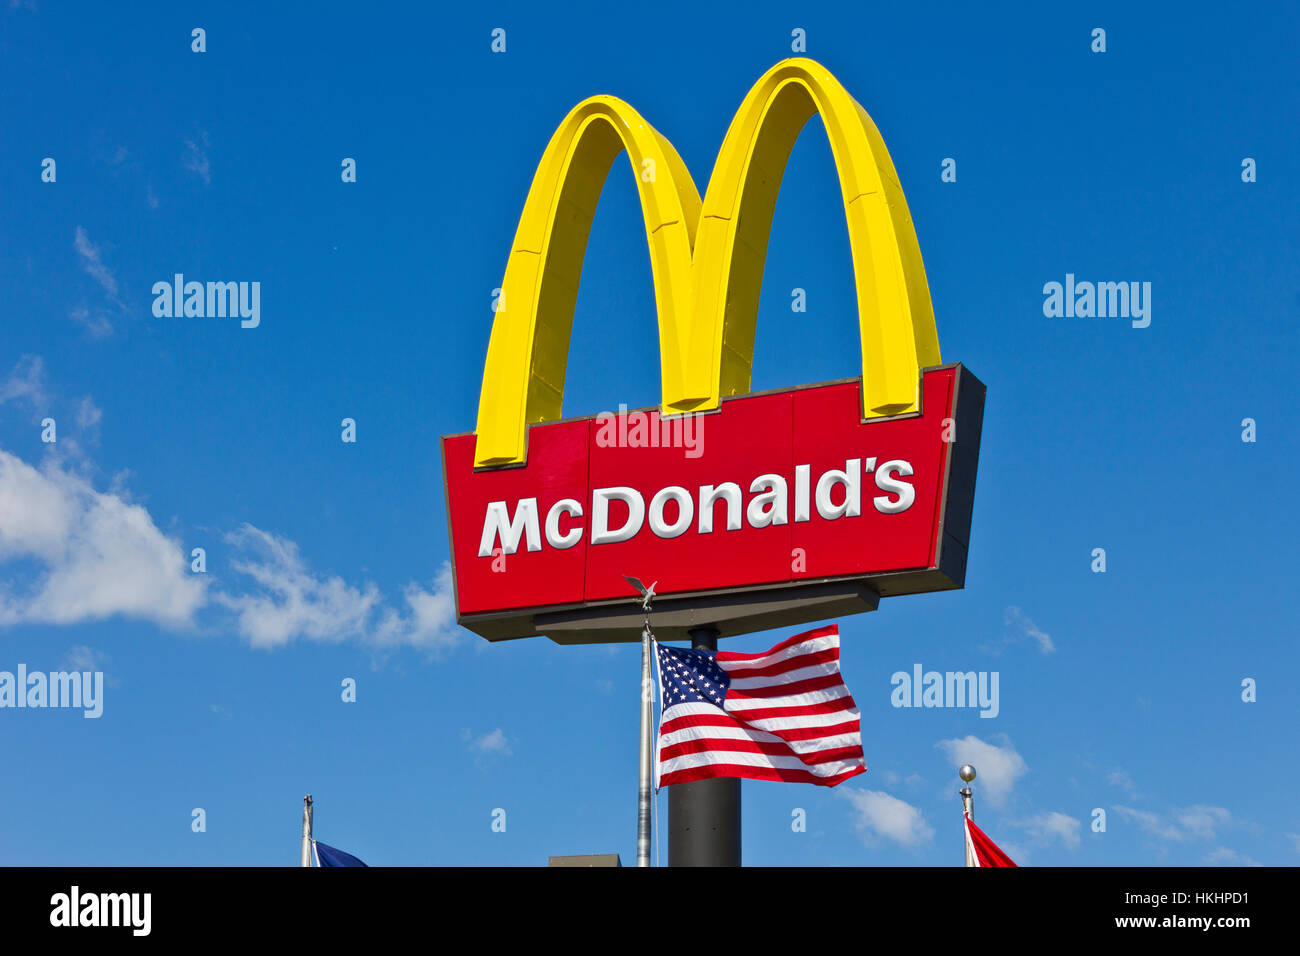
(706, 285)
(523, 381)
(896, 319)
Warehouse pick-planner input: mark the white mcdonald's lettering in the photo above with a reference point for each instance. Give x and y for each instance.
(769, 506)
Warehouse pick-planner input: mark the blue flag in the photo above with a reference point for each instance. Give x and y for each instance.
(328, 856)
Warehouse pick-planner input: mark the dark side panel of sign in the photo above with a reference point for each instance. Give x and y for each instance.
(778, 508)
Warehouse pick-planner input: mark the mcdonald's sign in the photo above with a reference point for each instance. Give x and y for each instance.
(751, 511)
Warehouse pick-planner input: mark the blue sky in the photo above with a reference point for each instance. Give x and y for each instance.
(1119, 690)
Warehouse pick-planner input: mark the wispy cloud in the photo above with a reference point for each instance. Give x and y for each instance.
(285, 599)
(83, 658)
(1152, 823)
(1018, 619)
(88, 414)
(1052, 826)
(877, 815)
(26, 384)
(92, 262)
(1019, 629)
(894, 778)
(1195, 822)
(1119, 777)
(1202, 821)
(96, 322)
(489, 744)
(196, 157)
(1222, 856)
(998, 768)
(76, 421)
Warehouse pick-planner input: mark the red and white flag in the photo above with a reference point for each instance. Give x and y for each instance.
(980, 850)
(782, 715)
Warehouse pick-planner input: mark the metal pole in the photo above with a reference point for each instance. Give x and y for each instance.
(306, 830)
(704, 815)
(643, 784)
(967, 774)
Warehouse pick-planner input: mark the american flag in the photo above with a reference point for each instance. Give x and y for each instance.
(783, 715)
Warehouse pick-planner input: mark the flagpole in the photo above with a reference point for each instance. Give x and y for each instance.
(967, 774)
(643, 798)
(306, 830)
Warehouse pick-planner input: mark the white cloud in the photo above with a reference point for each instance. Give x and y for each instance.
(289, 600)
(70, 554)
(1046, 827)
(877, 814)
(92, 555)
(997, 768)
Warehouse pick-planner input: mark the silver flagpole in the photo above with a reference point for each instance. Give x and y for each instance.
(306, 830)
(643, 795)
(967, 774)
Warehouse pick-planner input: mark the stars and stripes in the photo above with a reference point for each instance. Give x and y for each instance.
(782, 715)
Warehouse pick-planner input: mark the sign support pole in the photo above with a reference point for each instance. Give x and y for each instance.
(704, 815)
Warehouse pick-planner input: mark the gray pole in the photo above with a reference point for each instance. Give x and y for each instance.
(306, 830)
(647, 718)
(704, 815)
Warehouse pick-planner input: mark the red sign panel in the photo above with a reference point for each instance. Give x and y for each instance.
(775, 491)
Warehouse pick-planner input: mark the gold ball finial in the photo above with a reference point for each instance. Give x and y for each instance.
(967, 772)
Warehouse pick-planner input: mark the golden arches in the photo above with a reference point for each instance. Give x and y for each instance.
(707, 282)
